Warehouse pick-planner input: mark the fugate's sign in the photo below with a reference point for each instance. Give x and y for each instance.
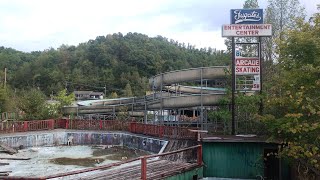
(246, 16)
(246, 23)
(246, 65)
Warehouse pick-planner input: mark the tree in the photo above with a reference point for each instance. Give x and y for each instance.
(114, 95)
(8, 102)
(250, 4)
(32, 103)
(64, 99)
(293, 101)
(282, 14)
(127, 92)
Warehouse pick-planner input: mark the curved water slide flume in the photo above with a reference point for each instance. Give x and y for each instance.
(199, 95)
(162, 100)
(193, 89)
(187, 75)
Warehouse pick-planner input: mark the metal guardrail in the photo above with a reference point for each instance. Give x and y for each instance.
(160, 131)
(24, 126)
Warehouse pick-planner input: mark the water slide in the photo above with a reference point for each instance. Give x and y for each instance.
(187, 75)
(191, 97)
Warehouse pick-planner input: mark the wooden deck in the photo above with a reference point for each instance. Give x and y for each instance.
(156, 169)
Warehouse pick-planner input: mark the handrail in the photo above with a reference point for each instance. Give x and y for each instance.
(144, 158)
(89, 169)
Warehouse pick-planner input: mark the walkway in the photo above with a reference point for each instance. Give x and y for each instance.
(157, 169)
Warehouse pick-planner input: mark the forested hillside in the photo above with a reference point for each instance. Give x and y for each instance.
(114, 61)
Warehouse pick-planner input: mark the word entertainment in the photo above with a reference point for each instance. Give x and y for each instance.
(247, 27)
(246, 30)
(246, 16)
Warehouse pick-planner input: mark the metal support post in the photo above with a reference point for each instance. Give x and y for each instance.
(199, 155)
(233, 89)
(201, 101)
(261, 77)
(144, 168)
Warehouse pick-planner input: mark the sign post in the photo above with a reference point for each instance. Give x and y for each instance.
(246, 63)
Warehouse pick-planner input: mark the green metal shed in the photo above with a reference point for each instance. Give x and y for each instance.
(242, 157)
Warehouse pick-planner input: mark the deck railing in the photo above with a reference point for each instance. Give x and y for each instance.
(24, 126)
(160, 131)
(144, 159)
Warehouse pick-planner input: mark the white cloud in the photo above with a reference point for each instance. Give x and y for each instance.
(40, 24)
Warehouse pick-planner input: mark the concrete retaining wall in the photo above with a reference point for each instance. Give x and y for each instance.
(80, 137)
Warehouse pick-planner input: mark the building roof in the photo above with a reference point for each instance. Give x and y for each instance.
(88, 92)
(82, 92)
(236, 138)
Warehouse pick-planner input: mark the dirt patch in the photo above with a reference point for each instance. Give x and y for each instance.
(87, 162)
(119, 153)
(100, 154)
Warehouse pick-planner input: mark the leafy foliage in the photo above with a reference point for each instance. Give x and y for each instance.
(8, 100)
(247, 114)
(32, 103)
(64, 99)
(293, 102)
(112, 61)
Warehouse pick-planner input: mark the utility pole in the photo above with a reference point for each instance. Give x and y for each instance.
(105, 91)
(5, 77)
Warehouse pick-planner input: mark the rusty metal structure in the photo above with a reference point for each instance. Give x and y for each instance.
(170, 99)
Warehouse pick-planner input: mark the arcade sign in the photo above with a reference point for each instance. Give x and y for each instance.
(246, 16)
(247, 65)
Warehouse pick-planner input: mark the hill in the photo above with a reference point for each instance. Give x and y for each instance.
(114, 61)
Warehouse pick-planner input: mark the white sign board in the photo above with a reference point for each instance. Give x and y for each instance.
(247, 65)
(246, 30)
(256, 83)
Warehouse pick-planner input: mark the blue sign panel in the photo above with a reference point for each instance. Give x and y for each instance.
(246, 16)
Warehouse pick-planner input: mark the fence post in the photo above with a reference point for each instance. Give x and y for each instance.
(25, 126)
(143, 168)
(133, 126)
(199, 155)
(67, 123)
(161, 131)
(52, 123)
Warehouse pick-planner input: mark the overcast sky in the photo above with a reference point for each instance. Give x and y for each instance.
(32, 25)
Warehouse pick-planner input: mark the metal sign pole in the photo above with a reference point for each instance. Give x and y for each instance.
(246, 27)
(233, 86)
(261, 77)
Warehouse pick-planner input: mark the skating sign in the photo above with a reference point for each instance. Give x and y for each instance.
(247, 72)
(245, 66)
